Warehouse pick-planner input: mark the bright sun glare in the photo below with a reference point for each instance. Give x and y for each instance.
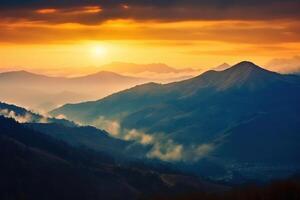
(98, 51)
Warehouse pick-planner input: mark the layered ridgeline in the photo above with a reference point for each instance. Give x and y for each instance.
(23, 115)
(37, 166)
(244, 118)
(41, 92)
(75, 135)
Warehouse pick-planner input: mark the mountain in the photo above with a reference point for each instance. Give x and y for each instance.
(15, 76)
(156, 72)
(36, 166)
(221, 116)
(106, 76)
(221, 67)
(276, 190)
(139, 68)
(73, 134)
(23, 115)
(43, 92)
(91, 138)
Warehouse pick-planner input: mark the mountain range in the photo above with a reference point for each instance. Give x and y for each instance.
(41, 92)
(244, 118)
(156, 72)
(72, 133)
(133, 68)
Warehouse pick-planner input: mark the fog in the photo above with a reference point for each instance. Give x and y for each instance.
(162, 147)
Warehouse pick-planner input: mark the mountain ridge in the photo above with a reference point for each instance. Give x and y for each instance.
(197, 113)
(140, 68)
(216, 80)
(45, 93)
(244, 74)
(19, 73)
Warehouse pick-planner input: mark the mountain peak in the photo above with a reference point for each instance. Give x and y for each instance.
(108, 73)
(245, 66)
(221, 67)
(105, 75)
(247, 74)
(242, 75)
(20, 74)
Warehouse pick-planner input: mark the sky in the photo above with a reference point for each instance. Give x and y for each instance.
(66, 34)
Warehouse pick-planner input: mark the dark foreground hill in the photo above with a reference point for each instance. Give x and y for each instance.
(36, 166)
(277, 190)
(74, 134)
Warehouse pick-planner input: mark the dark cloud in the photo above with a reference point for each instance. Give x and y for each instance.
(165, 10)
(184, 33)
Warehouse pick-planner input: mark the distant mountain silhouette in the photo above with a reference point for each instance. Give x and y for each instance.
(221, 67)
(155, 72)
(139, 68)
(236, 111)
(106, 76)
(15, 75)
(43, 92)
(32, 77)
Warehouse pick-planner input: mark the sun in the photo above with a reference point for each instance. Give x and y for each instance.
(98, 51)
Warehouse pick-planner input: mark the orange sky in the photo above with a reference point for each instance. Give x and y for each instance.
(50, 38)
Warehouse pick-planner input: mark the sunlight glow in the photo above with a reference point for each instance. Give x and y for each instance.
(46, 11)
(98, 51)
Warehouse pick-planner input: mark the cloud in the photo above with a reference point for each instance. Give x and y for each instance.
(43, 120)
(164, 10)
(167, 151)
(138, 136)
(248, 32)
(198, 152)
(232, 22)
(19, 118)
(61, 116)
(162, 147)
(285, 65)
(28, 117)
(111, 126)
